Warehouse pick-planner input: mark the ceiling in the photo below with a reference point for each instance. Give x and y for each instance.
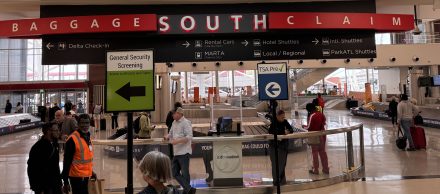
(21, 9)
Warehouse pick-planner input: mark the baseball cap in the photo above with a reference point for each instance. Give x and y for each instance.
(179, 110)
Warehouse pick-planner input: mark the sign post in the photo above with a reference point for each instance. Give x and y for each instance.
(272, 85)
(129, 87)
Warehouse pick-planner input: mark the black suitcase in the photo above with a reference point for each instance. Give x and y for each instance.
(102, 124)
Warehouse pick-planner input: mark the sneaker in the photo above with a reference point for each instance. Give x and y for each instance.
(313, 172)
(326, 171)
(410, 149)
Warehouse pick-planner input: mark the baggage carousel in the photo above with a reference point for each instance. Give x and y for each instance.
(251, 148)
(18, 122)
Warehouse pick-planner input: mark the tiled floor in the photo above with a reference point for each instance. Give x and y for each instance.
(385, 164)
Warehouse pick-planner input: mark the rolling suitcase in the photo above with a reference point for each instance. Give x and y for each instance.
(102, 124)
(418, 136)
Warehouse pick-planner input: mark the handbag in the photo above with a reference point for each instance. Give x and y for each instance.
(96, 186)
(313, 140)
(401, 140)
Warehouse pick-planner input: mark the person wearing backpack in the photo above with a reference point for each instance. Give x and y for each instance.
(43, 163)
(156, 171)
(144, 125)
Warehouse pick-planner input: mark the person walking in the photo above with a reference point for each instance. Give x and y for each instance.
(392, 108)
(282, 128)
(156, 171)
(78, 159)
(68, 106)
(115, 124)
(316, 122)
(405, 114)
(97, 111)
(180, 137)
(43, 169)
(320, 102)
(8, 107)
(19, 108)
(52, 111)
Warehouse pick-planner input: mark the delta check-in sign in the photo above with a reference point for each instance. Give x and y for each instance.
(272, 81)
(130, 81)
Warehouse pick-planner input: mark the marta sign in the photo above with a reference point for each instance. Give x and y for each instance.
(130, 81)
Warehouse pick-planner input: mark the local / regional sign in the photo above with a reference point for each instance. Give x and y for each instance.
(130, 81)
(272, 81)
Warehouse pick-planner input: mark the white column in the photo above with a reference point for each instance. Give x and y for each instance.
(233, 83)
(435, 91)
(186, 87)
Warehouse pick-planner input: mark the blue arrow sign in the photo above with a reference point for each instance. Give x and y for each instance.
(272, 81)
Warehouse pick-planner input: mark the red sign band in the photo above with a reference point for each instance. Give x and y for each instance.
(353, 21)
(78, 24)
(148, 22)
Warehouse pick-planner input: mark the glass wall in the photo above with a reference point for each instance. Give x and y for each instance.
(230, 83)
(20, 60)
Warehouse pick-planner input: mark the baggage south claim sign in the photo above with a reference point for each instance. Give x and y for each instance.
(130, 81)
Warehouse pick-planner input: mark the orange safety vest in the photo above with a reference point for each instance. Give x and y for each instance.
(82, 165)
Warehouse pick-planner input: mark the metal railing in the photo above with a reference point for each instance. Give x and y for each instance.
(345, 149)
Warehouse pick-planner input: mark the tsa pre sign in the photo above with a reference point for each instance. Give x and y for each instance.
(272, 81)
(130, 81)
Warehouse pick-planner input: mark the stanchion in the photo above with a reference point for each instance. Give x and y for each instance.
(274, 105)
(129, 188)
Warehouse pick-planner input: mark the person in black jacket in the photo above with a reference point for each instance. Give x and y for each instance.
(169, 122)
(392, 108)
(8, 107)
(282, 128)
(43, 164)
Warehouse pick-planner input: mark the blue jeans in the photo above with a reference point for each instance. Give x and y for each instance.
(181, 171)
(406, 125)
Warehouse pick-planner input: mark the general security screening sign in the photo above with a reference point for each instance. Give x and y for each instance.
(272, 81)
(130, 81)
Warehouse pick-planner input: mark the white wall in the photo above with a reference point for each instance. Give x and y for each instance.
(390, 78)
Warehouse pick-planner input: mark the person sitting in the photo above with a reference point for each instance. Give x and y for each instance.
(156, 171)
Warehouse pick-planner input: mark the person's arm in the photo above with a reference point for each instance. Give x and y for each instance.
(415, 110)
(313, 125)
(399, 113)
(288, 126)
(34, 168)
(68, 159)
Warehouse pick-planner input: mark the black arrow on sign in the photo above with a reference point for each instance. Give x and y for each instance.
(127, 92)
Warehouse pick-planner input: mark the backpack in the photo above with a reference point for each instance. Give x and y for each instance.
(136, 124)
